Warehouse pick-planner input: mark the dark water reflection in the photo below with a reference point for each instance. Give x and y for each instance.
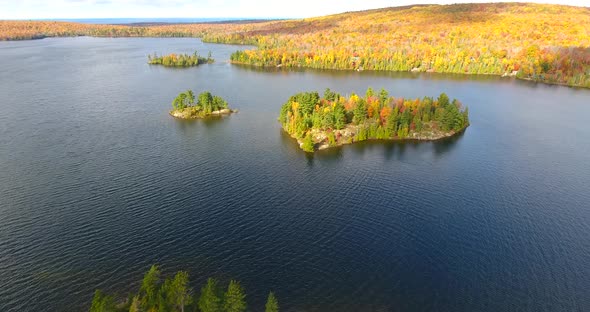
(98, 182)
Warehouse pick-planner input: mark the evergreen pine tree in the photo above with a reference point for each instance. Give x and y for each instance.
(272, 305)
(308, 145)
(209, 301)
(135, 304)
(102, 302)
(177, 293)
(360, 112)
(234, 299)
(149, 288)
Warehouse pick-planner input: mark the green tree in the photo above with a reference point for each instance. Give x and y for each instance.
(209, 300)
(149, 288)
(328, 120)
(135, 304)
(331, 139)
(450, 118)
(466, 116)
(177, 293)
(330, 95)
(206, 101)
(370, 93)
(234, 299)
(339, 116)
(285, 109)
(360, 112)
(307, 102)
(308, 143)
(363, 133)
(443, 100)
(383, 96)
(316, 120)
(190, 97)
(180, 101)
(102, 302)
(403, 131)
(406, 118)
(218, 103)
(272, 304)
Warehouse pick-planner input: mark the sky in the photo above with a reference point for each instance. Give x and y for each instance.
(77, 9)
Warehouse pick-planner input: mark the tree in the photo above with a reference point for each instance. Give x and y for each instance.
(360, 112)
(391, 123)
(218, 103)
(307, 101)
(135, 304)
(272, 305)
(149, 288)
(177, 292)
(339, 116)
(328, 120)
(206, 101)
(190, 97)
(443, 100)
(234, 299)
(180, 101)
(102, 302)
(331, 96)
(406, 118)
(383, 95)
(209, 300)
(466, 116)
(308, 143)
(450, 119)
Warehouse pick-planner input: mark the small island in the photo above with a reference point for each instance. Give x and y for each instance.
(333, 120)
(186, 106)
(179, 60)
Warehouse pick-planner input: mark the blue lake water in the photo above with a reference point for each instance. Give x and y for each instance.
(98, 182)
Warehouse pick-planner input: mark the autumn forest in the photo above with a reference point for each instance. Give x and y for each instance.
(547, 43)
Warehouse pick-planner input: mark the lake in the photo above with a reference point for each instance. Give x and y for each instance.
(98, 182)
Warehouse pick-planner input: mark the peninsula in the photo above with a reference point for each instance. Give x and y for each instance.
(186, 106)
(179, 60)
(333, 120)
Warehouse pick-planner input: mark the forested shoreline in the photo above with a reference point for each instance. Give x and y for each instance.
(174, 294)
(538, 42)
(333, 120)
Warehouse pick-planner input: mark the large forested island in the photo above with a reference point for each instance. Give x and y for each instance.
(186, 106)
(332, 120)
(540, 42)
(179, 60)
(174, 294)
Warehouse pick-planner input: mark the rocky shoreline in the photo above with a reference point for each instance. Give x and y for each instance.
(348, 134)
(190, 113)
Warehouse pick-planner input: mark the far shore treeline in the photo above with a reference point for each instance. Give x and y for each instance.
(540, 42)
(174, 294)
(332, 120)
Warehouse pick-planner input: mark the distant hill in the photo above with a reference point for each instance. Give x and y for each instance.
(548, 43)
